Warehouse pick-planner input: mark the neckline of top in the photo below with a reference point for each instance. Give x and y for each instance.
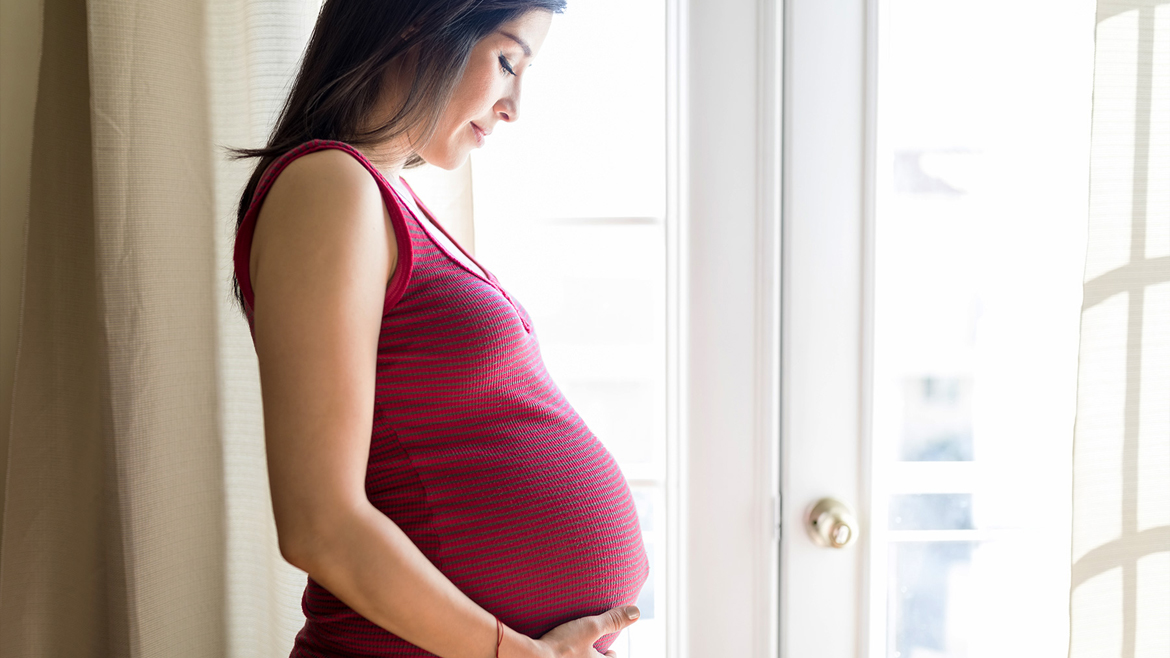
(484, 274)
(430, 216)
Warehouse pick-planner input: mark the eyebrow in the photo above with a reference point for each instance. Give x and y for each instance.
(523, 44)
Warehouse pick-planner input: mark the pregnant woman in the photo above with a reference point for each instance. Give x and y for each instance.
(443, 496)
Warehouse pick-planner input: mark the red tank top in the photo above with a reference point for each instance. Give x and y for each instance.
(475, 453)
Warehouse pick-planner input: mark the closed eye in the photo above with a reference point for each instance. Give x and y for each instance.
(506, 66)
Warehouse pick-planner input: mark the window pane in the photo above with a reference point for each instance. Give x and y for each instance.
(981, 190)
(928, 583)
(590, 140)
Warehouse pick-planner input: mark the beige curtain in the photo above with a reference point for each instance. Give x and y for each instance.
(137, 519)
(1120, 603)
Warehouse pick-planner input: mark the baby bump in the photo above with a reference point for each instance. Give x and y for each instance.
(538, 531)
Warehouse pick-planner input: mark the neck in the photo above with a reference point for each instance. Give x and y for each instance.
(388, 158)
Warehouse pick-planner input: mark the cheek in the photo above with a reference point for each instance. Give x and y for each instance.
(477, 92)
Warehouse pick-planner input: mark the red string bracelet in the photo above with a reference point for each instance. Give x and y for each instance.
(499, 636)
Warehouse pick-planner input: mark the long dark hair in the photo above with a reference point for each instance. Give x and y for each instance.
(340, 79)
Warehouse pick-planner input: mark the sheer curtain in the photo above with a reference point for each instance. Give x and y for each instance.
(1120, 599)
(137, 517)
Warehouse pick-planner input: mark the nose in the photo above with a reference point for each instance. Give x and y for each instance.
(508, 107)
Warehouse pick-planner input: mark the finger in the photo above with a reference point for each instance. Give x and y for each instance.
(610, 654)
(614, 620)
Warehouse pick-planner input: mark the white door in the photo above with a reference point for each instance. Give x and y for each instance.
(935, 204)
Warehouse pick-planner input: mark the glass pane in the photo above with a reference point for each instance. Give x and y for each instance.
(645, 639)
(928, 582)
(591, 136)
(981, 190)
(569, 207)
(936, 421)
(647, 510)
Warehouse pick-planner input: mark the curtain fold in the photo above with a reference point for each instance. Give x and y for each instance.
(153, 182)
(1120, 593)
(60, 553)
(137, 516)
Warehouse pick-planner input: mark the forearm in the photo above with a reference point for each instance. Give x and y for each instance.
(369, 563)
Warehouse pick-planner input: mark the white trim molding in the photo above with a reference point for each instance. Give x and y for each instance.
(729, 202)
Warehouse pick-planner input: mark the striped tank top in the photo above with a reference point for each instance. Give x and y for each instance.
(475, 453)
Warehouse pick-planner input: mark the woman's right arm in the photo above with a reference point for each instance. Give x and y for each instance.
(322, 255)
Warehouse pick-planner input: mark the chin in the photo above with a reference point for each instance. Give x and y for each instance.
(450, 160)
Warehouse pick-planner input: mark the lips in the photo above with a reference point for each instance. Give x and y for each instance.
(480, 134)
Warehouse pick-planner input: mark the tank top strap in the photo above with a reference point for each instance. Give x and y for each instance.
(243, 244)
(278, 165)
(434, 221)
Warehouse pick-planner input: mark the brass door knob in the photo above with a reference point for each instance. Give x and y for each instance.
(831, 523)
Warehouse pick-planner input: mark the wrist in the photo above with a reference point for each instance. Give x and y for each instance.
(519, 645)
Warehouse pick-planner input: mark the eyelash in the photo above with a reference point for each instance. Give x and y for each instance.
(507, 67)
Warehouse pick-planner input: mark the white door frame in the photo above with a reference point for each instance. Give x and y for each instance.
(724, 254)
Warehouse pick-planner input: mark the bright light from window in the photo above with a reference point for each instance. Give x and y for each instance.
(983, 137)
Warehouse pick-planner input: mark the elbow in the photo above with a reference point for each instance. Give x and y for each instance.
(306, 539)
(294, 551)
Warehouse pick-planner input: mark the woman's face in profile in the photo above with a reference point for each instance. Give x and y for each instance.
(489, 91)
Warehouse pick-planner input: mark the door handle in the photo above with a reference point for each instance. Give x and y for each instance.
(831, 523)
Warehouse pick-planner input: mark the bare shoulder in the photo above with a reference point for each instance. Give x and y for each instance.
(325, 203)
(326, 172)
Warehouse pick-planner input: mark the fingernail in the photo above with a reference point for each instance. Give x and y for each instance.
(633, 612)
